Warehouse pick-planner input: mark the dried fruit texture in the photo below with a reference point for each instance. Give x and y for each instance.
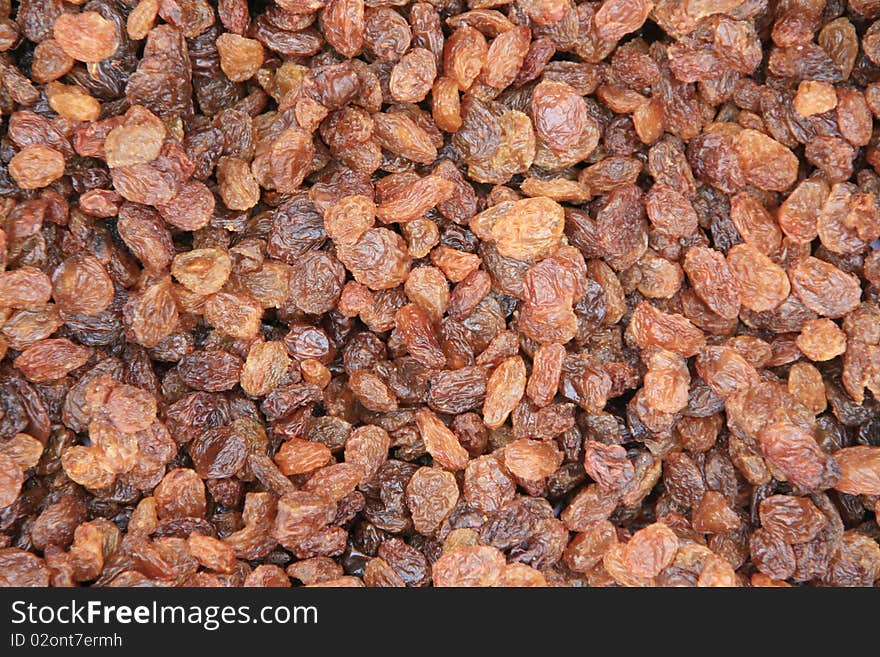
(431, 495)
(412, 77)
(202, 271)
(27, 288)
(823, 288)
(431, 276)
(714, 516)
(265, 368)
(713, 281)
(236, 184)
(504, 390)
(615, 18)
(82, 285)
(72, 102)
(86, 37)
(180, 494)
(51, 359)
(441, 443)
(607, 465)
(754, 223)
(464, 55)
(794, 453)
(793, 519)
(298, 456)
(151, 316)
(814, 97)
(477, 565)
(349, 218)
(651, 327)
(378, 259)
(650, 550)
(36, 166)
(666, 382)
(798, 215)
(240, 58)
(859, 470)
(532, 460)
(525, 230)
(11, 479)
(670, 212)
(806, 386)
(546, 370)
(138, 141)
(821, 340)
(562, 120)
(765, 162)
(763, 284)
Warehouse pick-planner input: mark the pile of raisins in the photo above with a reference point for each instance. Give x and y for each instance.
(410, 293)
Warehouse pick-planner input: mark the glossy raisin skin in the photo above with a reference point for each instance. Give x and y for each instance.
(361, 293)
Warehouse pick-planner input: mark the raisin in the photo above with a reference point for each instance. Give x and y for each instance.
(713, 281)
(532, 460)
(240, 58)
(431, 495)
(525, 230)
(763, 284)
(793, 519)
(823, 288)
(87, 37)
(477, 565)
(859, 470)
(440, 441)
(36, 166)
(51, 359)
(794, 452)
(202, 271)
(265, 368)
(650, 550)
(653, 327)
(486, 295)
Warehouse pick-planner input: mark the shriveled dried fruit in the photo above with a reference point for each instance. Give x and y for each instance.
(766, 163)
(503, 391)
(86, 37)
(794, 519)
(11, 479)
(532, 460)
(440, 442)
(530, 293)
(240, 58)
(36, 166)
(859, 470)
(298, 456)
(763, 285)
(806, 386)
(202, 271)
(525, 230)
(650, 550)
(51, 359)
(821, 339)
(823, 288)
(814, 97)
(26, 287)
(478, 565)
(794, 453)
(431, 495)
(652, 327)
(713, 281)
(666, 382)
(265, 368)
(81, 284)
(607, 465)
